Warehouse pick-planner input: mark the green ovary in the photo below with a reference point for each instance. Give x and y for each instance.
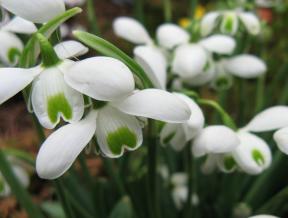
(121, 137)
(258, 157)
(58, 104)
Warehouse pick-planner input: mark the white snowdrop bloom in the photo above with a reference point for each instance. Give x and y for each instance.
(229, 22)
(51, 96)
(226, 162)
(74, 3)
(177, 135)
(11, 45)
(115, 124)
(253, 155)
(36, 11)
(215, 139)
(281, 138)
(191, 60)
(264, 216)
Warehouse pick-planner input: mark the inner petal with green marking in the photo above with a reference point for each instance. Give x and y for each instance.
(258, 157)
(229, 162)
(229, 23)
(121, 137)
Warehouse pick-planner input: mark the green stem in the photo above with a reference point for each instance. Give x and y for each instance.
(92, 19)
(167, 6)
(18, 190)
(260, 94)
(152, 169)
(190, 173)
(192, 8)
(138, 10)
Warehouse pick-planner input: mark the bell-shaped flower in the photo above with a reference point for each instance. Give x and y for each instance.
(36, 11)
(191, 60)
(51, 96)
(215, 139)
(115, 124)
(177, 135)
(229, 22)
(253, 155)
(11, 45)
(281, 138)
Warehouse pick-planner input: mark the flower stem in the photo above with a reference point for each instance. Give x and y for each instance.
(167, 6)
(192, 8)
(92, 19)
(260, 94)
(138, 10)
(18, 190)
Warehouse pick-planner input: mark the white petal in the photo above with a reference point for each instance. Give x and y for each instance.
(281, 138)
(210, 164)
(180, 195)
(251, 22)
(202, 78)
(37, 11)
(174, 135)
(52, 98)
(215, 140)
(229, 23)
(74, 3)
(117, 131)
(253, 155)
(101, 78)
(20, 25)
(170, 35)
(245, 66)
(264, 216)
(131, 30)
(219, 44)
(208, 23)
(154, 63)
(179, 179)
(156, 104)
(270, 119)
(13, 80)
(70, 49)
(189, 61)
(196, 122)
(9, 42)
(62, 147)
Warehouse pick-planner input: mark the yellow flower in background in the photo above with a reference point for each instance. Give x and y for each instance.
(185, 21)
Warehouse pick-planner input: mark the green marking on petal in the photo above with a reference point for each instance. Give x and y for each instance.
(258, 157)
(228, 23)
(229, 163)
(58, 104)
(121, 137)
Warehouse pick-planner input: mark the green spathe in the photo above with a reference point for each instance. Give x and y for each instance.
(58, 104)
(121, 137)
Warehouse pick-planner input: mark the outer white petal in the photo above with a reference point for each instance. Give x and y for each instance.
(153, 61)
(52, 98)
(202, 78)
(37, 11)
(179, 179)
(74, 3)
(219, 44)
(117, 131)
(174, 135)
(180, 195)
(210, 164)
(196, 122)
(170, 35)
(131, 30)
(208, 23)
(9, 41)
(245, 66)
(244, 154)
(214, 140)
(70, 49)
(281, 138)
(189, 61)
(13, 80)
(264, 216)
(62, 147)
(251, 22)
(229, 23)
(101, 78)
(20, 25)
(156, 104)
(270, 119)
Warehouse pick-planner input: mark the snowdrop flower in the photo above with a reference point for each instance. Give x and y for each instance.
(264, 216)
(177, 135)
(51, 96)
(273, 118)
(190, 60)
(36, 11)
(253, 155)
(229, 22)
(115, 124)
(11, 45)
(215, 139)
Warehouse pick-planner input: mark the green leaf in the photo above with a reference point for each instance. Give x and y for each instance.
(122, 209)
(106, 48)
(32, 49)
(54, 209)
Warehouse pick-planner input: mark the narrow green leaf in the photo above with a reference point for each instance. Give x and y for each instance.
(106, 48)
(122, 209)
(32, 49)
